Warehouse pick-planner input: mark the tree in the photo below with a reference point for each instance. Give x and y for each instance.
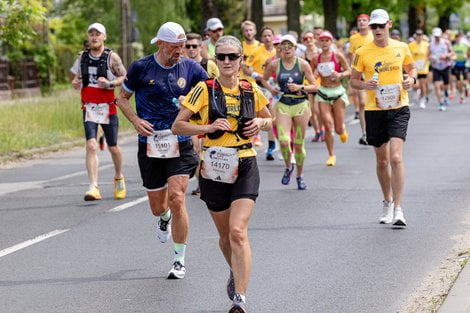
(293, 15)
(330, 9)
(257, 14)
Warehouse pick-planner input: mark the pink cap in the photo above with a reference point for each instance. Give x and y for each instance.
(326, 34)
(277, 39)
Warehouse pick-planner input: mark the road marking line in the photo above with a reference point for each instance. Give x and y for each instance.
(124, 206)
(30, 242)
(75, 174)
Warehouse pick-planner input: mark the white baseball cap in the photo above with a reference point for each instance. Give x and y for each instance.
(289, 38)
(99, 27)
(214, 23)
(437, 32)
(170, 32)
(379, 16)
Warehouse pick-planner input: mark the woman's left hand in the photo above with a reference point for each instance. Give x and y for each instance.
(252, 127)
(294, 87)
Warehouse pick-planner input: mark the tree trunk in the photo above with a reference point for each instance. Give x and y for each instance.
(293, 15)
(330, 12)
(257, 15)
(444, 19)
(412, 19)
(208, 10)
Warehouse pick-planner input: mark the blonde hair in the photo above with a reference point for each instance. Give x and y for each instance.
(248, 23)
(229, 40)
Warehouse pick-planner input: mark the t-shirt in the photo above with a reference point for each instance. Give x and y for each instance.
(247, 53)
(156, 86)
(460, 50)
(259, 58)
(198, 101)
(420, 55)
(388, 63)
(357, 40)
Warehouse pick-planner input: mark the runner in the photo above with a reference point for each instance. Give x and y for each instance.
(356, 41)
(232, 111)
(387, 111)
(215, 30)
(441, 54)
(293, 109)
(459, 70)
(99, 72)
(420, 51)
(331, 96)
(166, 161)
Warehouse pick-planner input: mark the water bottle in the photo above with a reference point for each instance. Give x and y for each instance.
(375, 77)
(176, 102)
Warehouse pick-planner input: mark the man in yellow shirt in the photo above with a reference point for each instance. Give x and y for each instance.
(387, 112)
(420, 50)
(358, 97)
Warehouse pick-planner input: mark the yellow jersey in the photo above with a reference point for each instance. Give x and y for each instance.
(212, 69)
(420, 55)
(247, 53)
(259, 57)
(357, 40)
(388, 63)
(198, 101)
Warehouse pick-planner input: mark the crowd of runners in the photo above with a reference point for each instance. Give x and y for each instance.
(202, 101)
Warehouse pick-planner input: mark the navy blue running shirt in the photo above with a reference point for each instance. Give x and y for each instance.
(155, 86)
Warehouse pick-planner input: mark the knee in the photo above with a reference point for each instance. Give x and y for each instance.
(114, 149)
(285, 144)
(396, 159)
(238, 235)
(92, 146)
(382, 163)
(328, 126)
(176, 202)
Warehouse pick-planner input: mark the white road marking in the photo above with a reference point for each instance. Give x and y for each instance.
(30, 242)
(128, 205)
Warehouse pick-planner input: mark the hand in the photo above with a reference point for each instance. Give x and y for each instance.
(102, 82)
(143, 127)
(76, 84)
(252, 127)
(181, 99)
(335, 76)
(294, 87)
(371, 84)
(219, 124)
(408, 83)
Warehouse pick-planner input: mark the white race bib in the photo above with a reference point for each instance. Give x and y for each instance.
(220, 164)
(163, 144)
(388, 96)
(97, 113)
(326, 68)
(420, 64)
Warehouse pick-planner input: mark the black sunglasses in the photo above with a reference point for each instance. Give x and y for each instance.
(375, 26)
(191, 46)
(231, 56)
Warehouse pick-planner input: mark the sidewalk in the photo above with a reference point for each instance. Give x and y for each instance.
(458, 299)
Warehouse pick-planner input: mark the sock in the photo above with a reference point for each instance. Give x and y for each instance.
(272, 144)
(180, 248)
(446, 94)
(166, 215)
(242, 298)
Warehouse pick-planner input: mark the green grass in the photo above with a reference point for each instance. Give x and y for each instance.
(36, 123)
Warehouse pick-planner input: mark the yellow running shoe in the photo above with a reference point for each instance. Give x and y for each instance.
(344, 136)
(119, 188)
(92, 194)
(257, 141)
(331, 161)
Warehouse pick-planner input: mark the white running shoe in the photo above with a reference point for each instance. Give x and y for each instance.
(387, 213)
(398, 218)
(422, 103)
(163, 230)
(177, 271)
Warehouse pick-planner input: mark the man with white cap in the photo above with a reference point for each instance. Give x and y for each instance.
(387, 108)
(215, 30)
(160, 81)
(99, 71)
(441, 54)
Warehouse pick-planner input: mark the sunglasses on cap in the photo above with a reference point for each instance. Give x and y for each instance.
(287, 46)
(230, 56)
(375, 26)
(187, 46)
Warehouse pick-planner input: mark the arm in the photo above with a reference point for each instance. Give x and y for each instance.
(357, 83)
(76, 79)
(118, 69)
(142, 126)
(412, 75)
(182, 127)
(344, 65)
(268, 72)
(205, 51)
(262, 121)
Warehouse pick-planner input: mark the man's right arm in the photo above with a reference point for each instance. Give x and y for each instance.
(142, 126)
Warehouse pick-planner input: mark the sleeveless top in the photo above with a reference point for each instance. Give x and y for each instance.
(326, 68)
(285, 76)
(438, 49)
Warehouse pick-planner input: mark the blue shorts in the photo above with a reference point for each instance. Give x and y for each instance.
(110, 130)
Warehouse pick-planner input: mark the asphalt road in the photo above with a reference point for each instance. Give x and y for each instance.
(320, 250)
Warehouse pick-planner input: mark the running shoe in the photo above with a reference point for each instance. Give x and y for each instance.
(363, 140)
(102, 143)
(331, 161)
(120, 188)
(422, 103)
(344, 136)
(287, 174)
(446, 101)
(238, 305)
(398, 218)
(316, 138)
(300, 183)
(163, 229)
(270, 154)
(387, 213)
(196, 192)
(177, 271)
(461, 100)
(442, 107)
(92, 194)
(356, 115)
(257, 141)
(231, 286)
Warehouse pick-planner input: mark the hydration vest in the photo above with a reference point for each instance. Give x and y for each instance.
(218, 108)
(101, 65)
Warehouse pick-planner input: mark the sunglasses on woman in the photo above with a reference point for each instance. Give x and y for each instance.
(230, 56)
(287, 46)
(375, 26)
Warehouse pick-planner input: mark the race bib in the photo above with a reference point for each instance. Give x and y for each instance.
(420, 64)
(163, 144)
(220, 164)
(97, 113)
(388, 96)
(326, 68)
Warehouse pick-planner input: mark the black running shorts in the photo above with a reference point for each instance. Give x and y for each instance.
(155, 172)
(438, 75)
(385, 124)
(110, 130)
(219, 196)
